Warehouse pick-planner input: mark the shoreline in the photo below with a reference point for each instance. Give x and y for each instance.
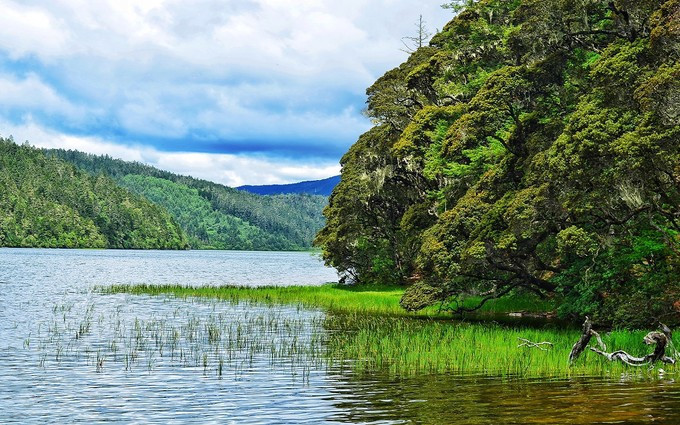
(368, 327)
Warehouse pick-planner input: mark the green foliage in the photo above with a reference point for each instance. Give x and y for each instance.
(575, 242)
(533, 146)
(206, 227)
(213, 215)
(46, 202)
(419, 296)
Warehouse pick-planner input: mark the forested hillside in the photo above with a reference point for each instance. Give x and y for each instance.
(211, 214)
(534, 145)
(47, 202)
(315, 187)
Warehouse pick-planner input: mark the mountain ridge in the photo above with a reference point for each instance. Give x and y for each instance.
(213, 215)
(46, 202)
(323, 187)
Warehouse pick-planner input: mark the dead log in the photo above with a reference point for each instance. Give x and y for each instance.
(661, 340)
(659, 354)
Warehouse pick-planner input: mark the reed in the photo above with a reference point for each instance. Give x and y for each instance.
(189, 336)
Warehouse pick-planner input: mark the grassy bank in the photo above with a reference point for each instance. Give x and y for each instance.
(372, 300)
(367, 329)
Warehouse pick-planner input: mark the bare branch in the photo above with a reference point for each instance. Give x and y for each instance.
(539, 345)
(420, 39)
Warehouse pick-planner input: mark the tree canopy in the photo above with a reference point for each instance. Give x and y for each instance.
(46, 202)
(534, 145)
(214, 216)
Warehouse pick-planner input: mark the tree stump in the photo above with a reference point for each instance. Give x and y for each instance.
(586, 335)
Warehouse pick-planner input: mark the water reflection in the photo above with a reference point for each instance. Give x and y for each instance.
(489, 400)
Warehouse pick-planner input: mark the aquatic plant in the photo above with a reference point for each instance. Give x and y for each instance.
(366, 331)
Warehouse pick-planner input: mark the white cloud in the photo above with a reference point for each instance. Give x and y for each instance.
(31, 93)
(146, 116)
(31, 30)
(290, 36)
(231, 170)
(230, 76)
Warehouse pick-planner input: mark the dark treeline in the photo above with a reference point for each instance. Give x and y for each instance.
(47, 202)
(534, 145)
(214, 215)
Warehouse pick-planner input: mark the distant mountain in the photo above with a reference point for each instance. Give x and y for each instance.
(212, 215)
(316, 187)
(46, 202)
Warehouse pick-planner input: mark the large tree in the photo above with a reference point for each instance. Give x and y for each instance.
(533, 146)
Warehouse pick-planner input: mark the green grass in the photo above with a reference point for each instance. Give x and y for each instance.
(375, 300)
(404, 347)
(368, 329)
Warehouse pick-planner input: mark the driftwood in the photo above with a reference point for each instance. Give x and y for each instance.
(587, 334)
(662, 340)
(659, 354)
(539, 345)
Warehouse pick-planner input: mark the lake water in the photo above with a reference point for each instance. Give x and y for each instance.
(69, 354)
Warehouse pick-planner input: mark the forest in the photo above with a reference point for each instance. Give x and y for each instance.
(48, 203)
(212, 215)
(532, 147)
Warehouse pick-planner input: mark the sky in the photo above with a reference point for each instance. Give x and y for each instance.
(233, 91)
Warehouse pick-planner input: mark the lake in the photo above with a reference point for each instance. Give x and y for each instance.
(70, 354)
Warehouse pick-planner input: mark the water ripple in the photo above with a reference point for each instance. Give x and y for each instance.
(62, 353)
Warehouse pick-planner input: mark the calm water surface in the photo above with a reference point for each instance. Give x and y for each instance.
(71, 355)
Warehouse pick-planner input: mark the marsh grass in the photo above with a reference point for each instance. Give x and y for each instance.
(375, 300)
(366, 330)
(406, 347)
